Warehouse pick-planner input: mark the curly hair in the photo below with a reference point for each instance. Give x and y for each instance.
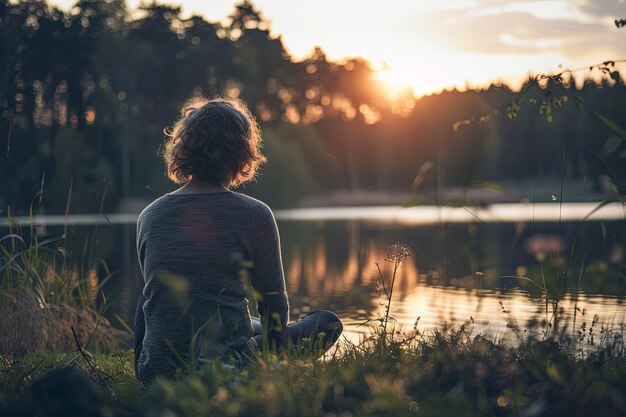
(217, 141)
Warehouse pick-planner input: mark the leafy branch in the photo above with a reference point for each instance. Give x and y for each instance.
(557, 93)
(552, 101)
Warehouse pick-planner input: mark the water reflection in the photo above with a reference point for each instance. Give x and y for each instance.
(455, 273)
(333, 265)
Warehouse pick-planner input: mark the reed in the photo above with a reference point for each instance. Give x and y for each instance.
(44, 293)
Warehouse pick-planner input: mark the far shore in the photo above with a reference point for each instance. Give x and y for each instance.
(395, 214)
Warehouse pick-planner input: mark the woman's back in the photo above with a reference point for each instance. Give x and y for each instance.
(201, 245)
(196, 251)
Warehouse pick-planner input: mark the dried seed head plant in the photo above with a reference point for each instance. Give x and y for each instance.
(398, 252)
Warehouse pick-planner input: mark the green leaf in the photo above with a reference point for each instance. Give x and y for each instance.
(579, 102)
(549, 111)
(610, 146)
(12, 236)
(51, 240)
(487, 185)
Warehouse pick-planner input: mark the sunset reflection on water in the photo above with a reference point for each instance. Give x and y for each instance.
(327, 271)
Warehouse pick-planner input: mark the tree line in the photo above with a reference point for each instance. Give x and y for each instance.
(85, 96)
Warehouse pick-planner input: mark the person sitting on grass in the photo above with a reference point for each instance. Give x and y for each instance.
(201, 246)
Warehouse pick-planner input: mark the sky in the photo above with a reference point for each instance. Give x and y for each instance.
(431, 45)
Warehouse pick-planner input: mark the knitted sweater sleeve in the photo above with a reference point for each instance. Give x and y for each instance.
(267, 277)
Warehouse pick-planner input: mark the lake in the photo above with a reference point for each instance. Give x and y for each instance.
(458, 273)
(468, 265)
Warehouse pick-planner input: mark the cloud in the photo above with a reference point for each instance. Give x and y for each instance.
(602, 8)
(525, 33)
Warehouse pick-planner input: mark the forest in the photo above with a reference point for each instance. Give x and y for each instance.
(85, 96)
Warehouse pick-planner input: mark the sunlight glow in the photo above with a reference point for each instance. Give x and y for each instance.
(432, 46)
(395, 84)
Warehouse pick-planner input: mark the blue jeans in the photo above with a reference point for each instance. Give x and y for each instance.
(322, 328)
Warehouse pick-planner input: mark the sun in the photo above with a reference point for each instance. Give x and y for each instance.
(391, 82)
(400, 82)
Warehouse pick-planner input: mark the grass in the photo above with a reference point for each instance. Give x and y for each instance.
(442, 374)
(446, 372)
(48, 299)
(449, 371)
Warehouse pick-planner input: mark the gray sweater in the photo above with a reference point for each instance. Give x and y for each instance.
(198, 253)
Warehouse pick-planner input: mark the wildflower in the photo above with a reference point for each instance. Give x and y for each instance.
(399, 252)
